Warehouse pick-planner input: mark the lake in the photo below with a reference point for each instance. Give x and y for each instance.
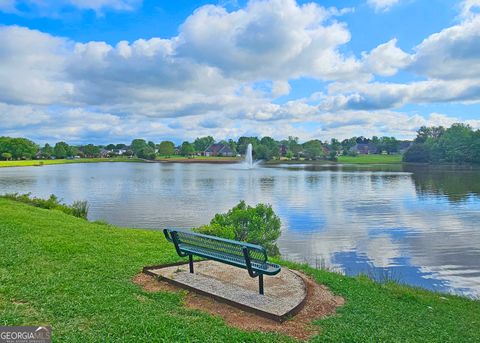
(417, 225)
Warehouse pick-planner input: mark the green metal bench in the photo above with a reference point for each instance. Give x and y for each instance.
(251, 257)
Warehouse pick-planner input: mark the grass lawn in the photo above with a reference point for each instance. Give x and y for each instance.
(75, 275)
(371, 159)
(29, 163)
(177, 158)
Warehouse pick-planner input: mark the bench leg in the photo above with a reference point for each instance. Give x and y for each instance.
(190, 262)
(260, 284)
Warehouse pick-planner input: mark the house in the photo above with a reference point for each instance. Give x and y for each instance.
(218, 149)
(364, 148)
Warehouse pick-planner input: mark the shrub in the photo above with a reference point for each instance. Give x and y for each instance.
(78, 209)
(257, 225)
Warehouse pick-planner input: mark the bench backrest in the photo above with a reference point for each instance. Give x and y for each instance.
(228, 247)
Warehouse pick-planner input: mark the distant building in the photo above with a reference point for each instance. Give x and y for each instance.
(364, 148)
(218, 149)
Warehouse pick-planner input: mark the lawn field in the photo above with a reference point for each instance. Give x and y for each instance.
(371, 159)
(198, 159)
(38, 163)
(76, 276)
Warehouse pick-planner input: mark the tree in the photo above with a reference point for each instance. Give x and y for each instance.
(20, 148)
(257, 225)
(137, 145)
(187, 149)
(120, 146)
(243, 142)
(151, 145)
(7, 156)
(47, 151)
(147, 153)
(387, 144)
(201, 144)
(61, 150)
(419, 153)
(91, 150)
(166, 148)
(110, 147)
(313, 149)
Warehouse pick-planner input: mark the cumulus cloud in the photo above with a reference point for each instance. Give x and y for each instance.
(274, 39)
(386, 59)
(186, 85)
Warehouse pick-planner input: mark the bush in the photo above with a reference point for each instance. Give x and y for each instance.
(257, 225)
(78, 209)
(419, 152)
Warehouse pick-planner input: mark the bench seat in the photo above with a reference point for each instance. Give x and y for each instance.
(244, 255)
(266, 267)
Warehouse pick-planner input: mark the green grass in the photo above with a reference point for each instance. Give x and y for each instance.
(178, 158)
(29, 163)
(76, 276)
(371, 159)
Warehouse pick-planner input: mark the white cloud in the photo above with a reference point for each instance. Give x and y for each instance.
(453, 53)
(186, 85)
(382, 5)
(386, 59)
(276, 39)
(469, 8)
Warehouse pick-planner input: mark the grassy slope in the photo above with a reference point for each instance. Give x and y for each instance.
(29, 163)
(365, 159)
(75, 275)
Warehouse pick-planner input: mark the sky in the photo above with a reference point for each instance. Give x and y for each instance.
(108, 71)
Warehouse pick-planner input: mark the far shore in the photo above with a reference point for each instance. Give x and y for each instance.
(361, 159)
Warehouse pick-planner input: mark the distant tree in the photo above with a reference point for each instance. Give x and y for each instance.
(61, 150)
(387, 144)
(91, 150)
(233, 145)
(202, 143)
(429, 133)
(111, 147)
(243, 142)
(138, 145)
(120, 146)
(20, 148)
(7, 156)
(335, 145)
(418, 153)
(313, 149)
(147, 153)
(166, 148)
(151, 145)
(47, 151)
(187, 149)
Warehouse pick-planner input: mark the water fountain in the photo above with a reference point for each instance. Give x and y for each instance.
(248, 157)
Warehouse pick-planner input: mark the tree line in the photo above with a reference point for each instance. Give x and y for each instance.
(265, 148)
(456, 144)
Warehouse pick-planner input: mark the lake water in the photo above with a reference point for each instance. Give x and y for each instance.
(416, 225)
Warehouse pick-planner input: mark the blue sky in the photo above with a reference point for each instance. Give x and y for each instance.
(112, 70)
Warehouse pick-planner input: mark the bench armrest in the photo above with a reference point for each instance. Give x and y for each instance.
(167, 236)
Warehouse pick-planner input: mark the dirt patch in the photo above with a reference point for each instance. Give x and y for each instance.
(320, 303)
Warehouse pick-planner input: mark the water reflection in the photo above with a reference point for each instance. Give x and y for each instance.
(412, 224)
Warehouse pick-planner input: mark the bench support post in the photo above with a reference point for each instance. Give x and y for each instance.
(260, 284)
(190, 262)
